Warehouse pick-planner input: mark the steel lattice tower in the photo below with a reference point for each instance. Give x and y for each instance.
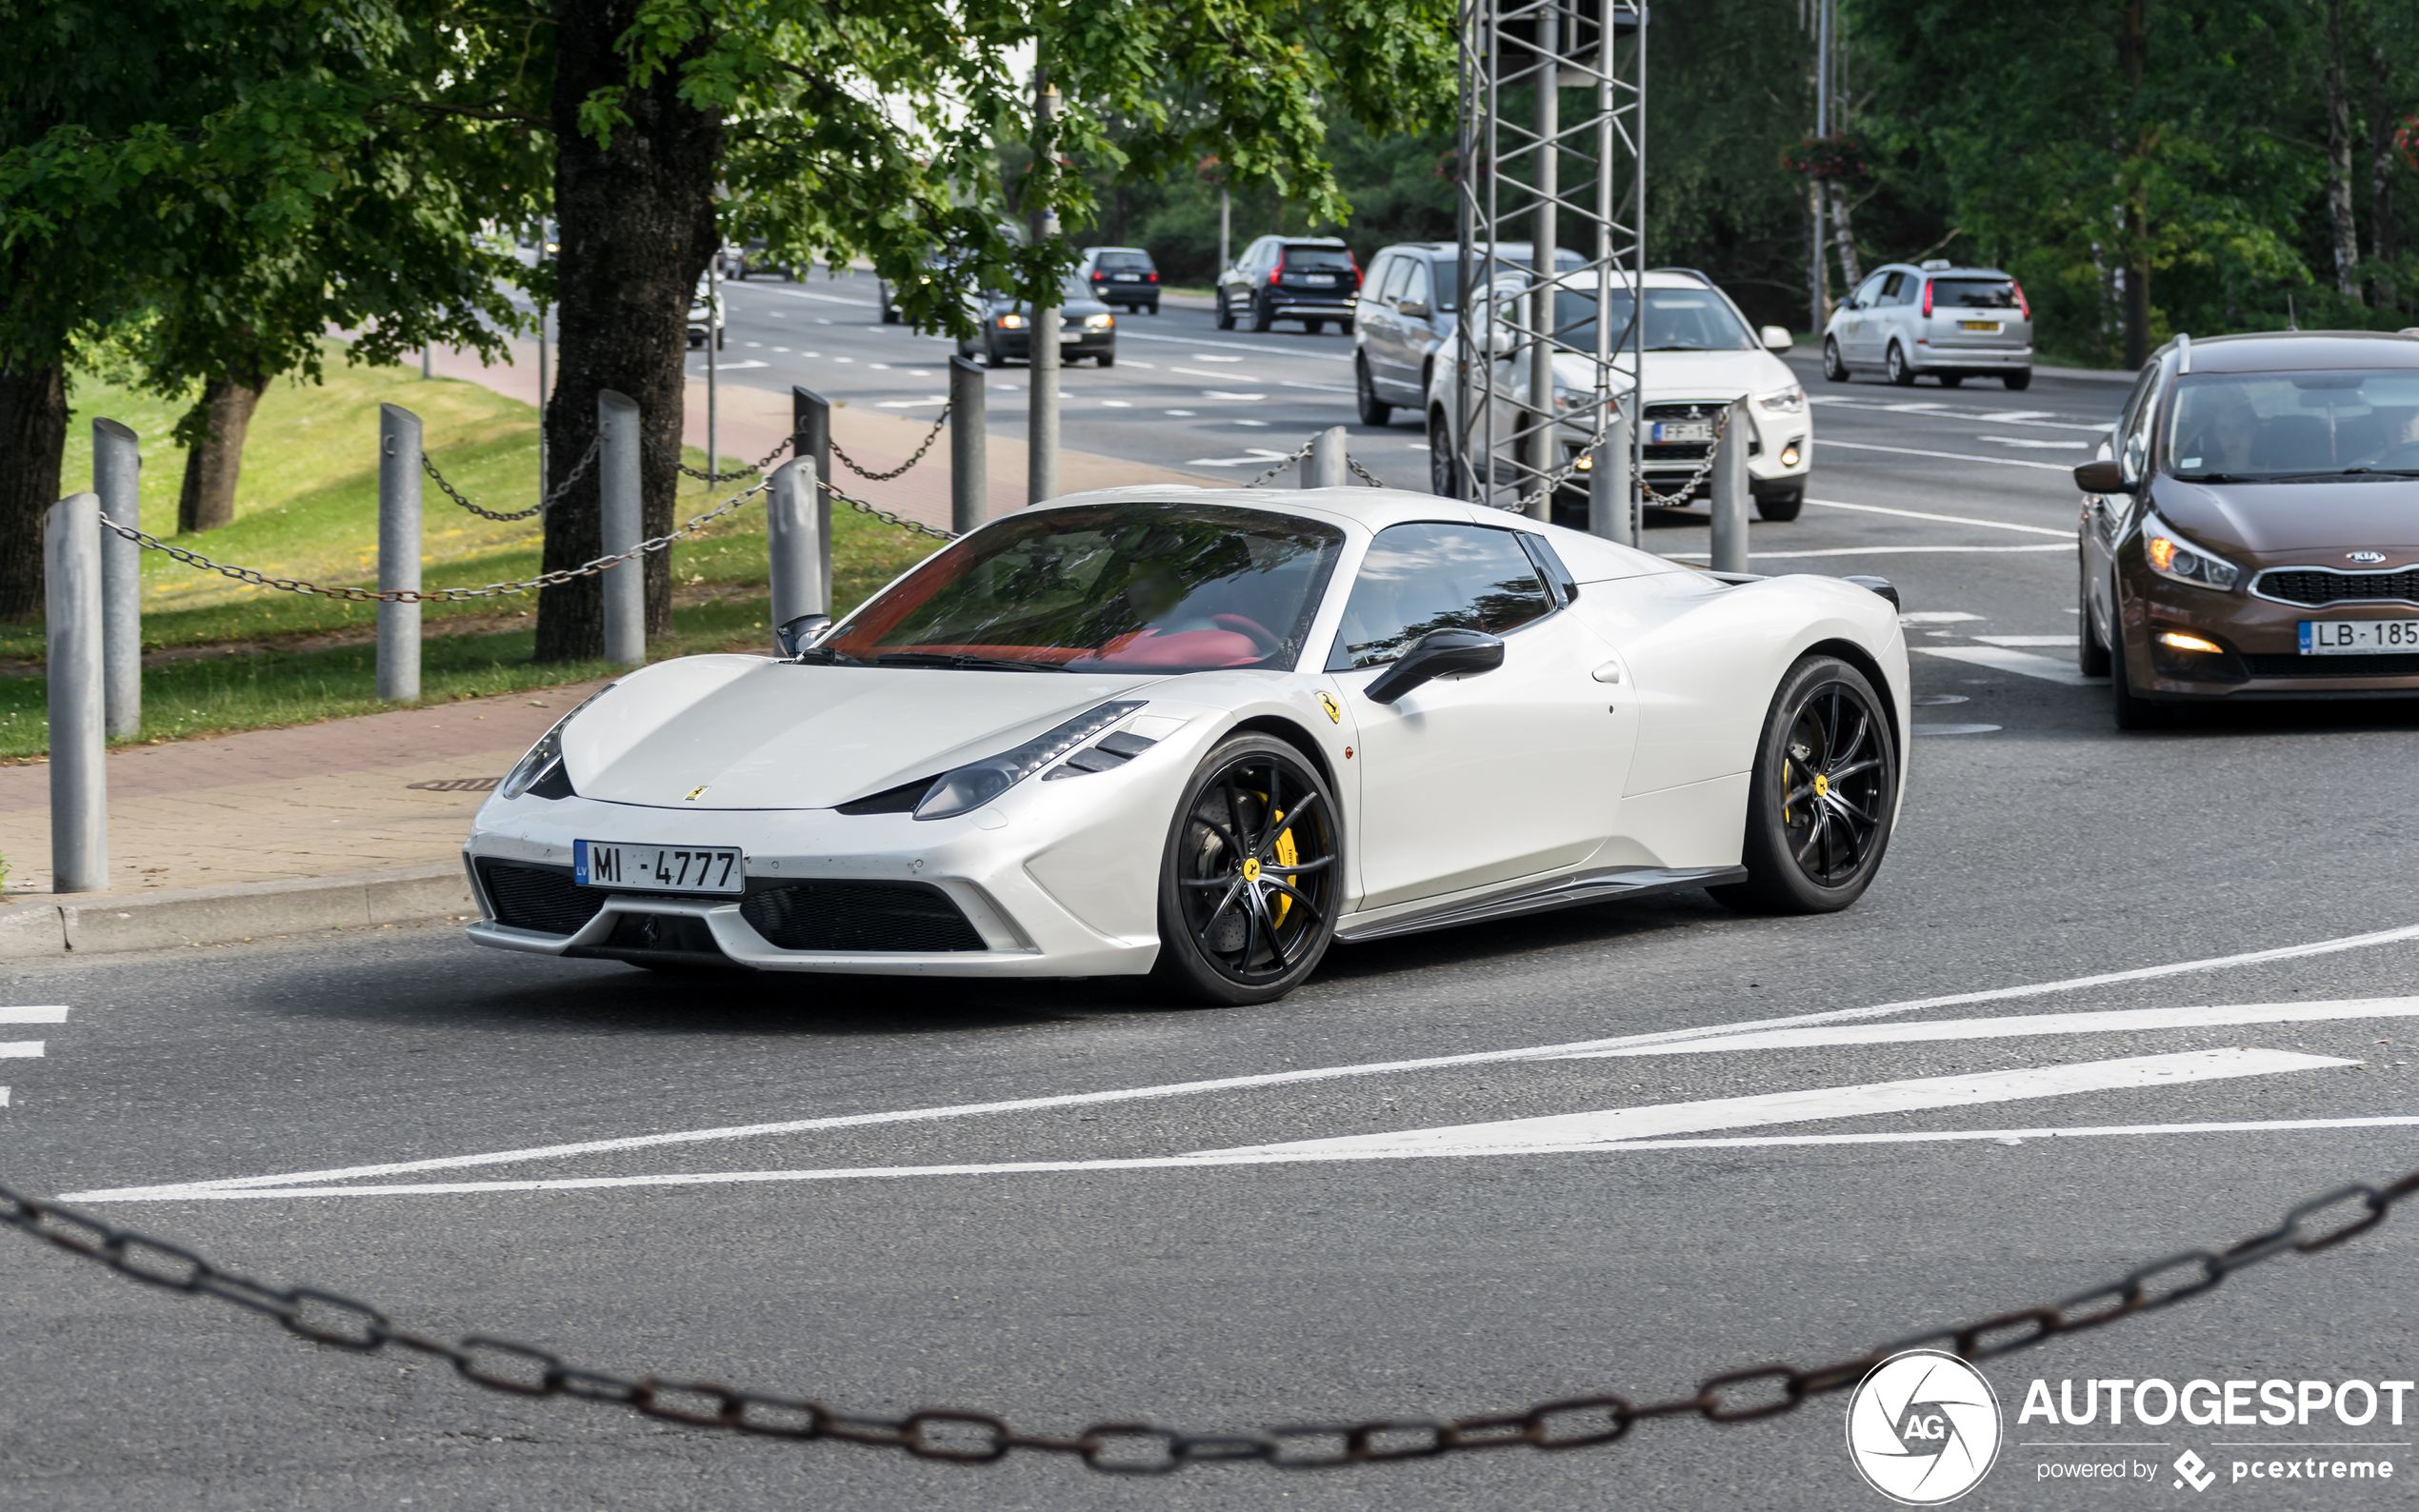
(1570, 181)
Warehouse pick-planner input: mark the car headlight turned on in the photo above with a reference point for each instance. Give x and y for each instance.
(1012, 323)
(1100, 321)
(2172, 556)
(963, 790)
(1789, 454)
(545, 757)
(1787, 400)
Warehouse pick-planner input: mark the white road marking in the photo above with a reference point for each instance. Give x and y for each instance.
(2032, 441)
(1193, 373)
(1214, 393)
(1259, 425)
(2025, 640)
(2039, 419)
(2249, 958)
(1202, 356)
(20, 1049)
(2007, 417)
(1953, 456)
(1933, 616)
(1182, 414)
(1957, 729)
(911, 403)
(2001, 658)
(1254, 461)
(1324, 388)
(1877, 551)
(46, 1013)
(1945, 519)
(1131, 362)
(829, 299)
(2101, 1020)
(751, 362)
(1240, 345)
(1115, 404)
(1564, 1130)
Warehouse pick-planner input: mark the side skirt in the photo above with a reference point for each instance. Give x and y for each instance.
(1569, 893)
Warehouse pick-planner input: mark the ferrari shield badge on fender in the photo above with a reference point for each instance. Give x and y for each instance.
(1335, 715)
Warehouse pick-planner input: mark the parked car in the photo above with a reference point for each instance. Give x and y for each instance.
(1408, 307)
(1312, 279)
(1953, 323)
(1199, 737)
(1121, 275)
(1086, 328)
(1701, 354)
(2247, 531)
(705, 316)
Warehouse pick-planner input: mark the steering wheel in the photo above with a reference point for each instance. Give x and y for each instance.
(1250, 629)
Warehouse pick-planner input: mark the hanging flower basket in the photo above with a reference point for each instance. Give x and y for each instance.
(1840, 157)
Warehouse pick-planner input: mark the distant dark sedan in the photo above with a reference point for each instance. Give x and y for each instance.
(1086, 328)
(2252, 529)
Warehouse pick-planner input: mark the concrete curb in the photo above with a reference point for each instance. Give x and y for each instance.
(94, 925)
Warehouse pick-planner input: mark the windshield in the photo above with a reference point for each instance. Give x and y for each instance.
(1677, 320)
(1162, 587)
(1974, 293)
(2280, 424)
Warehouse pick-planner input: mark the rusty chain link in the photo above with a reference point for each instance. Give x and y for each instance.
(1139, 1448)
(939, 422)
(579, 469)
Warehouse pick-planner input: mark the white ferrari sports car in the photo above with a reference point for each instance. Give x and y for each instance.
(1200, 734)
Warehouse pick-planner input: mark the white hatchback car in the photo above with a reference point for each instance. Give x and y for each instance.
(1701, 354)
(1953, 323)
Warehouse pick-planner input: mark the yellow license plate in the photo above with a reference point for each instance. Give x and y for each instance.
(1977, 324)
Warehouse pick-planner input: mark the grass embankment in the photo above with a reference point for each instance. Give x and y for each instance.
(221, 655)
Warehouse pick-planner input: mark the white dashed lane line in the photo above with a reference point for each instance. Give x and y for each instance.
(1950, 456)
(2064, 534)
(2006, 659)
(28, 1050)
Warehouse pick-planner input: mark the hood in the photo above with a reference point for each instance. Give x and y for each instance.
(1674, 375)
(757, 735)
(2270, 519)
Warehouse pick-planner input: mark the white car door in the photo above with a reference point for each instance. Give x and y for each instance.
(1490, 776)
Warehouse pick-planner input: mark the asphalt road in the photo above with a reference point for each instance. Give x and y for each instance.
(1076, 1286)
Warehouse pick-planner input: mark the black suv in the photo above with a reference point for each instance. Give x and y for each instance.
(1312, 279)
(1121, 275)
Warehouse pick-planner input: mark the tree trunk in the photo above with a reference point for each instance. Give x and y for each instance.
(1851, 269)
(34, 437)
(2381, 170)
(2339, 218)
(2134, 55)
(215, 463)
(637, 220)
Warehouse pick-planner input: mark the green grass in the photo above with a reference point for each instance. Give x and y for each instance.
(307, 507)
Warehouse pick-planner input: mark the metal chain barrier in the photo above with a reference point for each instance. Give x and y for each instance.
(912, 527)
(940, 422)
(1363, 474)
(1647, 494)
(1282, 465)
(544, 580)
(1140, 1448)
(579, 469)
(703, 476)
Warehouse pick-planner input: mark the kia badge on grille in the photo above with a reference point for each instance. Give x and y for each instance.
(2365, 558)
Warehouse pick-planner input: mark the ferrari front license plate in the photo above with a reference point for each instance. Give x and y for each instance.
(2358, 637)
(656, 869)
(1682, 430)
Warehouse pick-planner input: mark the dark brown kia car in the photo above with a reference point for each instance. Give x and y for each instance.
(2252, 528)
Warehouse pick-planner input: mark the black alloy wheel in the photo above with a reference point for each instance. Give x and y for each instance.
(1251, 885)
(1835, 370)
(2090, 649)
(1895, 368)
(1823, 796)
(1263, 313)
(1444, 467)
(1374, 411)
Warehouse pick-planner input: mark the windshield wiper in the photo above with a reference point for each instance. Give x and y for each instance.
(2209, 477)
(955, 663)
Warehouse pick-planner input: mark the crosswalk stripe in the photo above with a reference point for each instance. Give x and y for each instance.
(2109, 1020)
(47, 1013)
(2002, 659)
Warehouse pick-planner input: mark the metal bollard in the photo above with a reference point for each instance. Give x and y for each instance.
(1610, 502)
(71, 631)
(1729, 493)
(398, 552)
(1323, 468)
(117, 475)
(969, 472)
(798, 532)
(621, 525)
(810, 436)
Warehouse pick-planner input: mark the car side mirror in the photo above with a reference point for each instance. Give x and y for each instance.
(1414, 309)
(1439, 654)
(797, 634)
(2104, 476)
(1777, 338)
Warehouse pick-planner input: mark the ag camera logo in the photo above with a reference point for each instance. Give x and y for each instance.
(1923, 1427)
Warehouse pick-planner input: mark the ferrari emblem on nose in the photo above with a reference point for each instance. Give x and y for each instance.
(1335, 715)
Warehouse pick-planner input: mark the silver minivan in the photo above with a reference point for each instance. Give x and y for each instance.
(1406, 310)
(1953, 323)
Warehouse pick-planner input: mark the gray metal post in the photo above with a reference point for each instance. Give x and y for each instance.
(1545, 435)
(1608, 511)
(1041, 414)
(117, 473)
(1225, 222)
(1730, 493)
(622, 522)
(1323, 468)
(810, 433)
(398, 552)
(71, 615)
(798, 533)
(713, 342)
(970, 476)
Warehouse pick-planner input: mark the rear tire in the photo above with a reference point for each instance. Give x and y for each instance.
(2018, 381)
(1835, 370)
(1952, 380)
(1374, 411)
(1823, 796)
(1249, 883)
(1780, 507)
(1312, 328)
(2091, 652)
(1894, 368)
(1444, 469)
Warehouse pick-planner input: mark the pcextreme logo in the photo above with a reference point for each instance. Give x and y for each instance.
(1923, 1427)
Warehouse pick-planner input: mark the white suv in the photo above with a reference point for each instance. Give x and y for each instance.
(1701, 354)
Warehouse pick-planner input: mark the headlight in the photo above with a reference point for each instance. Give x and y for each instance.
(968, 787)
(2172, 556)
(546, 756)
(1012, 323)
(1566, 400)
(1788, 401)
(1099, 322)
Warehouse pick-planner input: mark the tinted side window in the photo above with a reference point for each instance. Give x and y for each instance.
(1897, 289)
(1425, 577)
(1386, 280)
(1871, 291)
(1417, 287)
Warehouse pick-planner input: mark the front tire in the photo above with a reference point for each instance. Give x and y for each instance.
(1835, 370)
(1106, 359)
(1250, 884)
(2131, 710)
(1262, 316)
(1780, 507)
(1374, 411)
(1895, 368)
(1444, 469)
(1226, 312)
(1823, 796)
(2091, 652)
(1952, 380)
